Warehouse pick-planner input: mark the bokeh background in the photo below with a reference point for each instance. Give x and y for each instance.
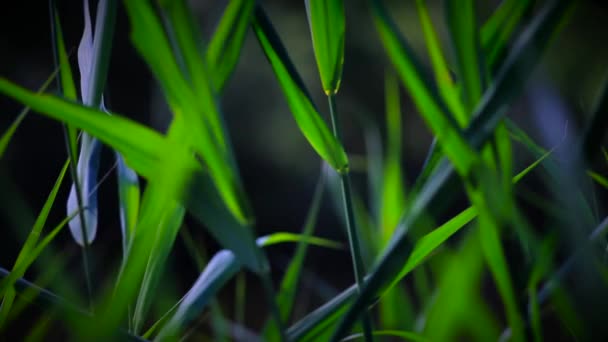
(279, 167)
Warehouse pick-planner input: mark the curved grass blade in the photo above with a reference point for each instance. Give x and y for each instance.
(327, 25)
(491, 110)
(306, 115)
(423, 94)
(498, 30)
(225, 46)
(140, 146)
(447, 87)
(219, 270)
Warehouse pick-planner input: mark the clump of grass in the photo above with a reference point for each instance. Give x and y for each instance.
(191, 169)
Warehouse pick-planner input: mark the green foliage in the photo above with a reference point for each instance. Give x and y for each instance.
(432, 269)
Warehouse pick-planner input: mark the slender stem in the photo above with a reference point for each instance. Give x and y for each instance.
(272, 304)
(73, 161)
(349, 215)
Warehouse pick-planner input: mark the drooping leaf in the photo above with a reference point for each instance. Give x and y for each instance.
(327, 25)
(139, 145)
(306, 115)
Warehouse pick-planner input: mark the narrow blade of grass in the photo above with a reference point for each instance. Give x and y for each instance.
(393, 188)
(498, 30)
(327, 26)
(195, 103)
(306, 115)
(429, 105)
(8, 134)
(447, 87)
(225, 46)
(470, 67)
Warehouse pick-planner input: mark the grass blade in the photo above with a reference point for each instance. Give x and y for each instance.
(225, 46)
(306, 115)
(470, 67)
(8, 134)
(447, 87)
(199, 114)
(30, 250)
(498, 30)
(327, 25)
(423, 94)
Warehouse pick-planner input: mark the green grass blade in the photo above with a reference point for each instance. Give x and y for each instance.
(327, 24)
(423, 94)
(66, 84)
(393, 188)
(599, 179)
(140, 145)
(225, 46)
(193, 104)
(165, 237)
(447, 87)
(326, 315)
(8, 134)
(306, 115)
(470, 67)
(498, 30)
(31, 249)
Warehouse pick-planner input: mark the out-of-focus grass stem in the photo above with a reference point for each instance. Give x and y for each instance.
(349, 217)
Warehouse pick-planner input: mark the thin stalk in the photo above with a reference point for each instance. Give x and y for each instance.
(73, 162)
(272, 304)
(349, 215)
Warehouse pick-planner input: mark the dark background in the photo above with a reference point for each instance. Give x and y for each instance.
(278, 165)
